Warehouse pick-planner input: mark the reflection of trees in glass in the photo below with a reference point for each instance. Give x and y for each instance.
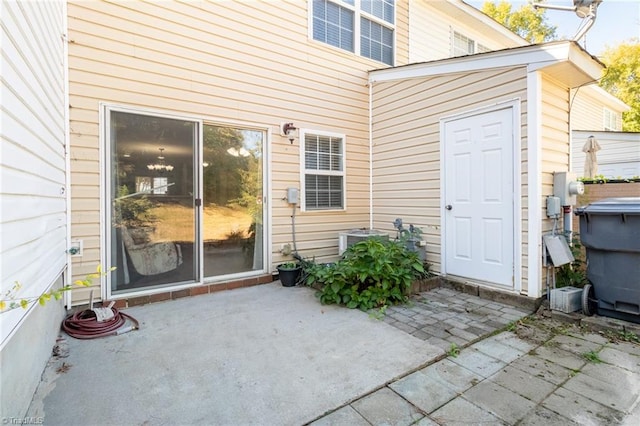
(132, 211)
(222, 176)
(251, 181)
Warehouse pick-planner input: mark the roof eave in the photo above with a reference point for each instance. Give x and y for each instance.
(548, 57)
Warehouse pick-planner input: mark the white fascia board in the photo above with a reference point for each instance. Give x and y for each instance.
(535, 57)
(585, 61)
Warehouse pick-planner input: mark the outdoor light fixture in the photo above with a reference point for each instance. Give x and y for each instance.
(160, 165)
(290, 131)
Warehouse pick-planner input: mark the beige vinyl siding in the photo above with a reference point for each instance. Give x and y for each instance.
(587, 108)
(224, 62)
(406, 133)
(430, 33)
(432, 30)
(585, 113)
(555, 135)
(402, 33)
(555, 145)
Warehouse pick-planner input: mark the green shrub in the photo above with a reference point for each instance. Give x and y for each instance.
(573, 274)
(372, 273)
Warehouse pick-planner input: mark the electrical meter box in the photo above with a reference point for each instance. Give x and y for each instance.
(566, 187)
(292, 195)
(553, 207)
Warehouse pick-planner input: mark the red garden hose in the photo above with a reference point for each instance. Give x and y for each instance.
(85, 325)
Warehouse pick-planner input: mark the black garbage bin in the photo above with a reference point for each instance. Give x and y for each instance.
(610, 233)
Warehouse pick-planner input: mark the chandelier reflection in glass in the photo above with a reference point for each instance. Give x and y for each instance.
(160, 166)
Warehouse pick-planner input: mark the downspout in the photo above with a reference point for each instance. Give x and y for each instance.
(68, 276)
(370, 154)
(568, 216)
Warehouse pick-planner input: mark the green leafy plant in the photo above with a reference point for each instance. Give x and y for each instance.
(453, 351)
(10, 299)
(372, 273)
(378, 313)
(595, 179)
(592, 357)
(288, 266)
(574, 273)
(622, 336)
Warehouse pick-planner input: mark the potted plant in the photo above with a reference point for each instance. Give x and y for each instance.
(289, 273)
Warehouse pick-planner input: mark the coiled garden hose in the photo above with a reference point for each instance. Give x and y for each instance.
(85, 324)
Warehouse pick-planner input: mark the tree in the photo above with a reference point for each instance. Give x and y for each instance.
(622, 79)
(528, 22)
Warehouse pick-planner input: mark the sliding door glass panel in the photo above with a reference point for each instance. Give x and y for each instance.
(152, 187)
(232, 200)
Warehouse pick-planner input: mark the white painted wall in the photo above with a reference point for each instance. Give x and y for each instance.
(33, 203)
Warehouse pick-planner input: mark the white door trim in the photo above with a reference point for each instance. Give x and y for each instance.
(534, 184)
(515, 106)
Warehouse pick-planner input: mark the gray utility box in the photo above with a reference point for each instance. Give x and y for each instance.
(566, 299)
(610, 232)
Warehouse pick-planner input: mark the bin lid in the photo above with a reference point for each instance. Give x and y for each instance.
(623, 205)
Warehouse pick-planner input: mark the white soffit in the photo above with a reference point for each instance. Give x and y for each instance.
(565, 61)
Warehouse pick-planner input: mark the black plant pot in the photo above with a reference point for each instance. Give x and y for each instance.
(289, 277)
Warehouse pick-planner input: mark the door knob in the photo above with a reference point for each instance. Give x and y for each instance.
(448, 207)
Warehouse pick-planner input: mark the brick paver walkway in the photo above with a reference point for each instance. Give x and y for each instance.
(444, 316)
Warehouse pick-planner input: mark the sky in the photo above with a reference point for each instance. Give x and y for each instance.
(617, 21)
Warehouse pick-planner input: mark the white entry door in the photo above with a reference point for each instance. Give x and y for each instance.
(478, 197)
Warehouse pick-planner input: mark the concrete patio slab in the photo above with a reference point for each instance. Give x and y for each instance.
(384, 407)
(580, 409)
(259, 355)
(274, 356)
(500, 401)
(344, 416)
(531, 387)
(424, 392)
(463, 413)
(479, 363)
(540, 416)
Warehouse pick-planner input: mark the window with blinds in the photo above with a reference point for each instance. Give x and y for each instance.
(323, 174)
(463, 45)
(365, 27)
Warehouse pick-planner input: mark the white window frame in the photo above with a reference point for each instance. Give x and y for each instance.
(358, 13)
(475, 46)
(201, 120)
(304, 171)
(609, 120)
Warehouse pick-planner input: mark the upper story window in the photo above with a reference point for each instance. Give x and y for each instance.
(463, 45)
(323, 171)
(482, 48)
(365, 27)
(610, 120)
